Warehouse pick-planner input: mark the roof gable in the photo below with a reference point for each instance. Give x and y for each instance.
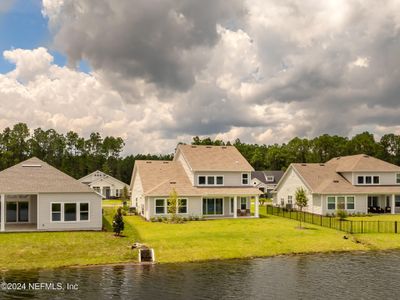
(36, 176)
(362, 163)
(214, 158)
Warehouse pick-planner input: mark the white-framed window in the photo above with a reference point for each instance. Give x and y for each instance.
(290, 199)
(340, 202)
(350, 203)
(162, 206)
(243, 203)
(210, 180)
(182, 206)
(368, 179)
(84, 211)
(69, 211)
(159, 206)
(270, 178)
(56, 212)
(201, 180)
(398, 178)
(245, 178)
(97, 189)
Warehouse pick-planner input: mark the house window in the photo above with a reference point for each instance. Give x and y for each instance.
(116, 192)
(160, 206)
(202, 180)
(289, 199)
(331, 203)
(350, 202)
(83, 211)
(69, 212)
(245, 178)
(270, 178)
(211, 180)
(368, 179)
(56, 212)
(182, 206)
(372, 201)
(398, 178)
(341, 202)
(243, 203)
(212, 206)
(97, 189)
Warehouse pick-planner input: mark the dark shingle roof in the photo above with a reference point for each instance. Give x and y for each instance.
(261, 175)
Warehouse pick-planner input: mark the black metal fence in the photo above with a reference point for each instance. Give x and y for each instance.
(349, 226)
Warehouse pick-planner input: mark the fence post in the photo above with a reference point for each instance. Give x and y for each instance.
(351, 227)
(378, 226)
(362, 226)
(395, 226)
(321, 219)
(290, 214)
(330, 222)
(340, 225)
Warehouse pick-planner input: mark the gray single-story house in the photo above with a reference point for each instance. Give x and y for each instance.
(35, 196)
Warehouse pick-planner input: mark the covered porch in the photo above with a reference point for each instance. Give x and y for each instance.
(383, 204)
(231, 206)
(18, 212)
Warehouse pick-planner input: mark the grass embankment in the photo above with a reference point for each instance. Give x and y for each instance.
(191, 241)
(107, 203)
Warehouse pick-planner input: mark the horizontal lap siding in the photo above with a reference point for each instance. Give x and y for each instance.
(44, 205)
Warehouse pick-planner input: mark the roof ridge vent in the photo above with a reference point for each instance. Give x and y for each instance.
(193, 146)
(366, 156)
(172, 182)
(223, 147)
(165, 162)
(303, 164)
(336, 181)
(31, 165)
(209, 147)
(322, 164)
(148, 162)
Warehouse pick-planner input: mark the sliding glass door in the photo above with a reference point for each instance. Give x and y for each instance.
(213, 206)
(17, 212)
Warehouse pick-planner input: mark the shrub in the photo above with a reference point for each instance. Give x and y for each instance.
(118, 222)
(160, 219)
(153, 219)
(342, 214)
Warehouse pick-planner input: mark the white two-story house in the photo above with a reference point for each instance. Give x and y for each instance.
(357, 184)
(210, 181)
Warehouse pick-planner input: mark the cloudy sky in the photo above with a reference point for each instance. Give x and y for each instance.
(159, 72)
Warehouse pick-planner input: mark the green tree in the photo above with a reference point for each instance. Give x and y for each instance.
(118, 222)
(301, 201)
(125, 193)
(172, 203)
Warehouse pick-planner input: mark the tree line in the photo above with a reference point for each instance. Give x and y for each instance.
(79, 156)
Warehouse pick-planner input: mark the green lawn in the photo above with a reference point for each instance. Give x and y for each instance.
(191, 241)
(117, 202)
(385, 217)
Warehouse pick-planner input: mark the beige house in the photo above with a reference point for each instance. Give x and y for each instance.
(211, 181)
(266, 181)
(35, 196)
(357, 184)
(104, 184)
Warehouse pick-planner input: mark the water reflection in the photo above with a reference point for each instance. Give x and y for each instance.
(372, 275)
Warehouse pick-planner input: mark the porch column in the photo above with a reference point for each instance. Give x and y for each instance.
(392, 209)
(235, 206)
(3, 213)
(256, 208)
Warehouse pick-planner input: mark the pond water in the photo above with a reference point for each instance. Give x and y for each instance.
(372, 275)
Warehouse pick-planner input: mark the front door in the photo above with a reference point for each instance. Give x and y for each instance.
(17, 212)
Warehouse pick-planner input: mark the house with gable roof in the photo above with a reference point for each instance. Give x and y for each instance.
(211, 182)
(357, 183)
